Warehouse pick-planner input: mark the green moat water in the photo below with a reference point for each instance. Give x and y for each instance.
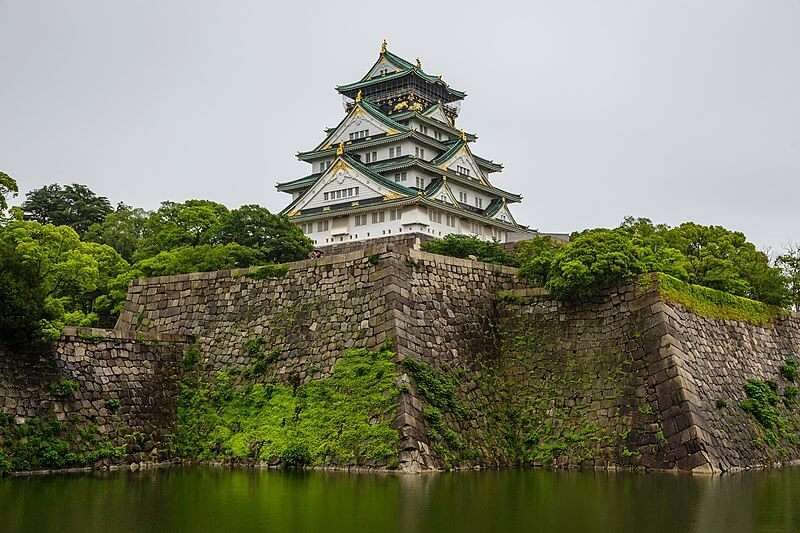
(230, 501)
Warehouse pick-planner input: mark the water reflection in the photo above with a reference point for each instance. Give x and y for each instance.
(207, 499)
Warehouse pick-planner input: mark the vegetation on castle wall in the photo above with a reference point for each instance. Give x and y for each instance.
(66, 257)
(710, 256)
(343, 419)
(715, 304)
(463, 246)
(44, 442)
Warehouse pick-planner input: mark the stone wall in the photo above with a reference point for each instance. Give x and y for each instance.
(710, 361)
(492, 373)
(121, 387)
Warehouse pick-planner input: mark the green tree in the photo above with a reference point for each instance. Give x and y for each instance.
(63, 276)
(725, 260)
(593, 261)
(73, 205)
(276, 237)
(123, 229)
(203, 258)
(789, 262)
(8, 186)
(174, 225)
(536, 257)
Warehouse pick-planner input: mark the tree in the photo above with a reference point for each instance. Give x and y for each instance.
(276, 237)
(62, 276)
(790, 264)
(8, 186)
(73, 205)
(123, 230)
(536, 257)
(593, 261)
(174, 225)
(725, 260)
(201, 258)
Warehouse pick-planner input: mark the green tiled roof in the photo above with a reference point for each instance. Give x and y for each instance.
(300, 183)
(372, 111)
(404, 68)
(383, 139)
(447, 154)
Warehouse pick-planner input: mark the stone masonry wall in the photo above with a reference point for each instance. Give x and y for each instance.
(713, 359)
(122, 387)
(492, 373)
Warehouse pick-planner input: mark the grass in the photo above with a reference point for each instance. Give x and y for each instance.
(716, 304)
(344, 419)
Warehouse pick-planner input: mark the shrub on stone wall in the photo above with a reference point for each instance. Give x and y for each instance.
(463, 246)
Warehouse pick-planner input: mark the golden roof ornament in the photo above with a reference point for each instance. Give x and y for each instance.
(419, 64)
(340, 149)
(384, 45)
(463, 135)
(358, 96)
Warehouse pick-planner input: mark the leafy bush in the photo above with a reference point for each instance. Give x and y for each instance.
(113, 405)
(761, 402)
(789, 369)
(462, 246)
(64, 388)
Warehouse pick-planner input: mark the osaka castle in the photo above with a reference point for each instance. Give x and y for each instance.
(399, 162)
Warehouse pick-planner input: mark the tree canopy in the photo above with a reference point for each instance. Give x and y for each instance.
(711, 256)
(73, 205)
(70, 261)
(8, 186)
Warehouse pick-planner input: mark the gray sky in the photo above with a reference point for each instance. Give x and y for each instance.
(674, 110)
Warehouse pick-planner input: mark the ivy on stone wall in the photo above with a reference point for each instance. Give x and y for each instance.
(344, 419)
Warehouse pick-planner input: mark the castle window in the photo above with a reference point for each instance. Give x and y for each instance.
(462, 197)
(437, 134)
(391, 152)
(322, 225)
(361, 220)
(372, 157)
(394, 214)
(462, 170)
(308, 227)
(354, 136)
(400, 176)
(378, 216)
(479, 202)
(435, 216)
(420, 182)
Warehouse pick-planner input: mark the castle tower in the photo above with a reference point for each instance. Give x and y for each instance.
(398, 163)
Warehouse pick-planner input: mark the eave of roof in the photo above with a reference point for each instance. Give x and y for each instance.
(372, 111)
(299, 183)
(358, 207)
(377, 140)
(397, 75)
(408, 115)
(408, 161)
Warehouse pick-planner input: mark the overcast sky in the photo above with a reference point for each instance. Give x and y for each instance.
(673, 110)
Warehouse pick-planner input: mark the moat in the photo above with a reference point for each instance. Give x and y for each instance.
(211, 499)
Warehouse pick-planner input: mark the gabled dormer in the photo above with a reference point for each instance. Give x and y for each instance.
(346, 181)
(436, 112)
(364, 121)
(459, 159)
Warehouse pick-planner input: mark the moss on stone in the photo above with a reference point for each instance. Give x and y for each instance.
(711, 303)
(45, 443)
(344, 419)
(269, 272)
